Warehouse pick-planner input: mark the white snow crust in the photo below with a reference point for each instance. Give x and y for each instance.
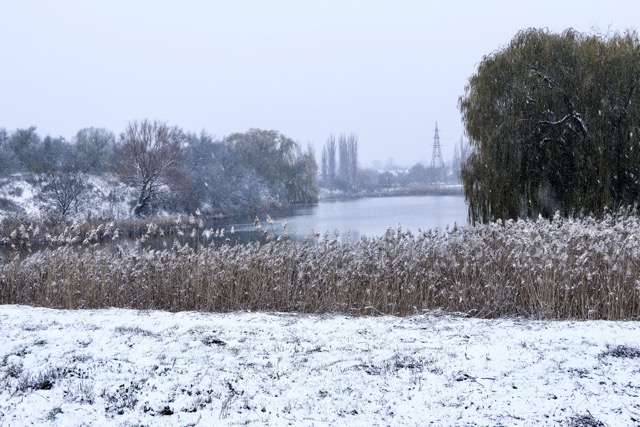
(126, 367)
(96, 201)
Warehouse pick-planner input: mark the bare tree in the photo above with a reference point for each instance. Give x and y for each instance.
(146, 156)
(63, 188)
(62, 178)
(24, 144)
(91, 147)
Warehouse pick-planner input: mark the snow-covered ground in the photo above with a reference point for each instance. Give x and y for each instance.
(125, 368)
(21, 194)
(104, 197)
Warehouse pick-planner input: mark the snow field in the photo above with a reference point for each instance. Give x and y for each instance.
(126, 367)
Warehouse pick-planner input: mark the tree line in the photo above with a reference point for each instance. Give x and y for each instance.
(340, 169)
(554, 121)
(339, 162)
(167, 168)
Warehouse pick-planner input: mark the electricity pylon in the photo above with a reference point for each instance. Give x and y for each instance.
(436, 157)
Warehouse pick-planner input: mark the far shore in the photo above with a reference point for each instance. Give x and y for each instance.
(421, 190)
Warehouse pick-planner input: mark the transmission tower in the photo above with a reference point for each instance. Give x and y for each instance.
(436, 157)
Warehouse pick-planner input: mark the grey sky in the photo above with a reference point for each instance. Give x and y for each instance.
(386, 70)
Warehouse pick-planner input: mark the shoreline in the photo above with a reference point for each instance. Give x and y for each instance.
(426, 190)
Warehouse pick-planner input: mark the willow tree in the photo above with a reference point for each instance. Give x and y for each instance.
(553, 122)
(279, 161)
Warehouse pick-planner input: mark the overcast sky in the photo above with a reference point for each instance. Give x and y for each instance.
(385, 70)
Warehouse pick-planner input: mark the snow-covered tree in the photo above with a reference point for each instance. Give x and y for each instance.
(92, 147)
(146, 156)
(554, 123)
(278, 161)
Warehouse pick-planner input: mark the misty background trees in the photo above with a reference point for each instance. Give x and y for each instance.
(157, 168)
(340, 172)
(163, 169)
(554, 120)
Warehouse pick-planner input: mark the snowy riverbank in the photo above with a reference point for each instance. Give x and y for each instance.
(126, 367)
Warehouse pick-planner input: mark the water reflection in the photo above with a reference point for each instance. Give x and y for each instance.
(368, 217)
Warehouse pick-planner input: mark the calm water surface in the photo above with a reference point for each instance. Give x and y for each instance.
(362, 217)
(372, 217)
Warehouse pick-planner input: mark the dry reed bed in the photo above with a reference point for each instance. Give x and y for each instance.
(22, 235)
(583, 268)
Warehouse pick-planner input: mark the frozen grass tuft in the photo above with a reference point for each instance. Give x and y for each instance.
(43, 380)
(135, 330)
(560, 269)
(622, 352)
(585, 421)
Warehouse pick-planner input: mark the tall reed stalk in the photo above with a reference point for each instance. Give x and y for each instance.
(560, 269)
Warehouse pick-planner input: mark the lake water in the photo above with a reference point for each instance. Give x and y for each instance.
(372, 217)
(361, 217)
